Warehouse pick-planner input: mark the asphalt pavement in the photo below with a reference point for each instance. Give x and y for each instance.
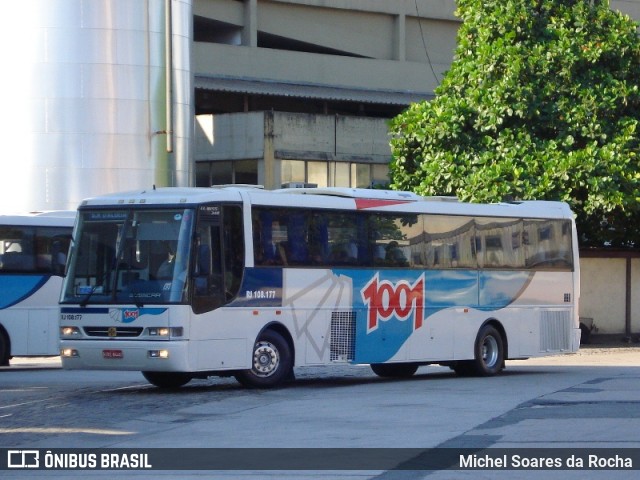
(597, 408)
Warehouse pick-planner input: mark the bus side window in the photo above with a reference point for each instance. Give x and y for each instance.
(58, 257)
(15, 261)
(296, 247)
(264, 249)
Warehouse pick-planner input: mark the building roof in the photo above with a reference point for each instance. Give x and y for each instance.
(306, 90)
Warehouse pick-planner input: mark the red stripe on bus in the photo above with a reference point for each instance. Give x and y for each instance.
(363, 203)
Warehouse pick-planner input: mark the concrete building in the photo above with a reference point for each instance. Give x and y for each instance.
(325, 76)
(300, 91)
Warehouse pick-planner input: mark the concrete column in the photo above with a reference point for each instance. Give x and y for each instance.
(400, 36)
(272, 172)
(250, 30)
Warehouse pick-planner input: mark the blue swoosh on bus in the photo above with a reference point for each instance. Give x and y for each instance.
(130, 315)
(395, 303)
(391, 304)
(16, 288)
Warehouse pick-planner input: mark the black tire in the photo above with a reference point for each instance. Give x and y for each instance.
(4, 349)
(489, 352)
(271, 360)
(394, 370)
(168, 380)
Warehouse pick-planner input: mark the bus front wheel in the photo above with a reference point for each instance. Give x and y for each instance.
(167, 379)
(271, 362)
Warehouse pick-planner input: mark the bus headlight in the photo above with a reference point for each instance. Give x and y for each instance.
(69, 353)
(165, 331)
(159, 331)
(158, 353)
(69, 331)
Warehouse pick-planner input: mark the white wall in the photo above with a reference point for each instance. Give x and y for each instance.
(603, 291)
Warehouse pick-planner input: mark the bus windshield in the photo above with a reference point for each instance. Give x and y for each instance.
(129, 256)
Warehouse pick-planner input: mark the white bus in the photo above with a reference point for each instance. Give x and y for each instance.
(191, 283)
(33, 250)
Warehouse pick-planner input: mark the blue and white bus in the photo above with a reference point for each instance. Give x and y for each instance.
(190, 283)
(33, 251)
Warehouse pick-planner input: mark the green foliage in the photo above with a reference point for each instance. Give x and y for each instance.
(541, 102)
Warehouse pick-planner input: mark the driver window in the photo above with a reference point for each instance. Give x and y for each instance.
(219, 257)
(233, 250)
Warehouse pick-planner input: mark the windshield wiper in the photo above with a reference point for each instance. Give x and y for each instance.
(87, 297)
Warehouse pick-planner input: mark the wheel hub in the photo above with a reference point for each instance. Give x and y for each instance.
(265, 359)
(490, 351)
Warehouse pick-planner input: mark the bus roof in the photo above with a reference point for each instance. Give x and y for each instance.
(353, 193)
(165, 196)
(330, 198)
(54, 218)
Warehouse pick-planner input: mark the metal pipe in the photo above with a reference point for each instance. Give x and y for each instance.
(168, 58)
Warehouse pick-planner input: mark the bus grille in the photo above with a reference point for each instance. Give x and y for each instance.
(343, 336)
(113, 332)
(555, 331)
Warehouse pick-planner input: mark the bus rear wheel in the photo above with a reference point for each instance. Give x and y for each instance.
(271, 362)
(489, 352)
(394, 370)
(167, 380)
(488, 355)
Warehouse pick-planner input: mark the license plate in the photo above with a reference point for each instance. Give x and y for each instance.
(112, 354)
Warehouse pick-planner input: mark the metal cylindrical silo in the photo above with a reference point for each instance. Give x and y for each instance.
(96, 97)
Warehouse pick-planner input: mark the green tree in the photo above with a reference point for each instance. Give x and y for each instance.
(541, 102)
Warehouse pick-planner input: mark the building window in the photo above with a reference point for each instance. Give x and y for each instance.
(380, 174)
(226, 172)
(360, 175)
(246, 172)
(221, 173)
(317, 173)
(293, 171)
(334, 174)
(339, 174)
(203, 175)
